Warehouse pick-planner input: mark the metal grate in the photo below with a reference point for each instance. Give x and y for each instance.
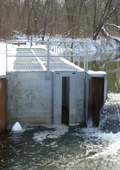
(31, 63)
(45, 58)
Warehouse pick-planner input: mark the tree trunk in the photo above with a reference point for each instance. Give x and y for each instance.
(45, 24)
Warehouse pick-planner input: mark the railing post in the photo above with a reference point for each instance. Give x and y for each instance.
(63, 47)
(79, 53)
(57, 47)
(6, 58)
(84, 55)
(48, 55)
(60, 48)
(73, 52)
(30, 41)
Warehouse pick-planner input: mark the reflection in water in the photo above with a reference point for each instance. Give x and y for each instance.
(108, 62)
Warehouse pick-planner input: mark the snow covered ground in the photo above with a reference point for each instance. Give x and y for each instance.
(2, 59)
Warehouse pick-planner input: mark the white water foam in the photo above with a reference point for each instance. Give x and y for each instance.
(110, 152)
(51, 134)
(111, 141)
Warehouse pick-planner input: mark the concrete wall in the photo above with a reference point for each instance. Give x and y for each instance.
(34, 99)
(76, 96)
(29, 97)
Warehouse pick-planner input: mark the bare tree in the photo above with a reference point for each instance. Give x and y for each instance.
(46, 17)
(107, 12)
(72, 18)
(95, 5)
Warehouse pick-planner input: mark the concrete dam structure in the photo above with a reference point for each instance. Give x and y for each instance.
(45, 88)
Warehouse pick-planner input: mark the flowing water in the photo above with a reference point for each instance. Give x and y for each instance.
(49, 148)
(71, 148)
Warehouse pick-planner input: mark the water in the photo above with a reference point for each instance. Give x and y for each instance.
(69, 148)
(110, 63)
(105, 61)
(74, 149)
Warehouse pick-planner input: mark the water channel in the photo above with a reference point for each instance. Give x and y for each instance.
(66, 148)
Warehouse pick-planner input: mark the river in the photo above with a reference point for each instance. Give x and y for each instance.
(66, 148)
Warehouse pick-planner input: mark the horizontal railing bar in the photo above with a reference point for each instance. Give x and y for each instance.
(48, 42)
(45, 56)
(21, 41)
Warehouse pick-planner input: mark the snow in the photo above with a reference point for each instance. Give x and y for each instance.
(17, 32)
(101, 44)
(17, 127)
(69, 63)
(96, 72)
(118, 27)
(20, 38)
(2, 59)
(108, 35)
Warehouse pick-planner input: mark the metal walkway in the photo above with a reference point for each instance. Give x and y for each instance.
(35, 59)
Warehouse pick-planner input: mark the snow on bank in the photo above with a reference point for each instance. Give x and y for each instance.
(101, 44)
(2, 47)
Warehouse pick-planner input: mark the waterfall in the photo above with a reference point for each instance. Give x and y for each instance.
(110, 114)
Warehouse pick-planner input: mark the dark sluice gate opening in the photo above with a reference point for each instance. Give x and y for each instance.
(65, 100)
(96, 99)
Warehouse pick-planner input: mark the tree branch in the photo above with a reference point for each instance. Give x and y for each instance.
(109, 36)
(118, 27)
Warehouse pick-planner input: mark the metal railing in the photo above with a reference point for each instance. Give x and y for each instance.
(40, 37)
(66, 49)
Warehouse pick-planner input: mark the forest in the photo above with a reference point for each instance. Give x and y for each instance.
(66, 18)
